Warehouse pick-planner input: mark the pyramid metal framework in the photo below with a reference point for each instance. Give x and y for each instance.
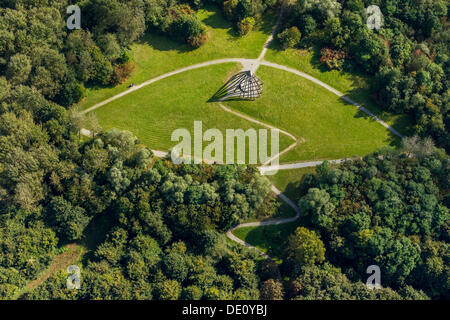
(242, 86)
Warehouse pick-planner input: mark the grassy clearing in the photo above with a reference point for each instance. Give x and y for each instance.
(332, 128)
(71, 254)
(269, 239)
(155, 111)
(74, 253)
(287, 181)
(284, 211)
(273, 239)
(356, 86)
(156, 54)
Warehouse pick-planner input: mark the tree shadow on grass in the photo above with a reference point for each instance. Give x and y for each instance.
(96, 86)
(273, 238)
(275, 44)
(393, 140)
(315, 58)
(217, 19)
(401, 123)
(284, 211)
(292, 190)
(362, 95)
(96, 231)
(268, 22)
(162, 42)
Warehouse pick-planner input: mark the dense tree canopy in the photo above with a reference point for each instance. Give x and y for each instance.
(159, 228)
(409, 55)
(386, 209)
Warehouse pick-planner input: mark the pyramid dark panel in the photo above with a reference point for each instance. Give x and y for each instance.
(242, 86)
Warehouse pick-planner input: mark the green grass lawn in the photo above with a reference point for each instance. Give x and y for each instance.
(273, 239)
(156, 54)
(153, 112)
(332, 128)
(269, 239)
(287, 181)
(356, 86)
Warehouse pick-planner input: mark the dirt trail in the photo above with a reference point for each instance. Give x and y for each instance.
(60, 261)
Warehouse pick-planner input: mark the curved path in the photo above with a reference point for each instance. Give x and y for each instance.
(296, 165)
(253, 64)
(246, 62)
(278, 155)
(331, 89)
(271, 222)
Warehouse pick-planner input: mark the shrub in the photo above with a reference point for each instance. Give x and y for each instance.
(268, 269)
(192, 293)
(19, 67)
(190, 29)
(197, 40)
(308, 25)
(238, 10)
(67, 220)
(245, 25)
(193, 27)
(102, 68)
(290, 37)
(333, 59)
(228, 8)
(125, 56)
(305, 247)
(122, 72)
(243, 9)
(270, 3)
(71, 91)
(272, 290)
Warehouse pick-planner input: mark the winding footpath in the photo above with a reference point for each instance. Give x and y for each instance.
(253, 64)
(270, 222)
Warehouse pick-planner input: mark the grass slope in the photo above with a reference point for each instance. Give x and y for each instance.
(354, 85)
(269, 239)
(287, 181)
(273, 239)
(155, 111)
(331, 127)
(156, 54)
